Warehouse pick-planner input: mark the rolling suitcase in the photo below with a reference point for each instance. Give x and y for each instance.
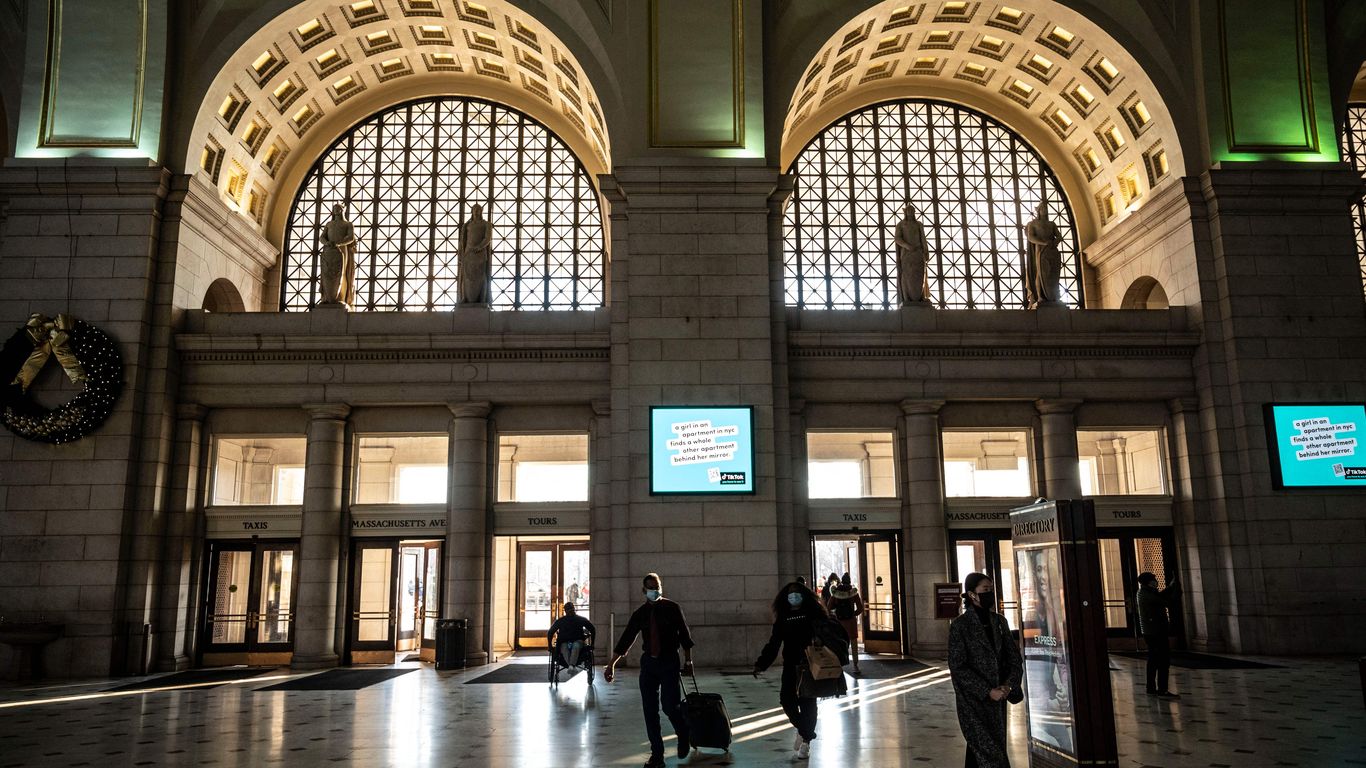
(708, 723)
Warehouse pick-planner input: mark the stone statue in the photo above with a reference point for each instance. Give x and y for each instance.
(1044, 270)
(337, 262)
(912, 259)
(476, 252)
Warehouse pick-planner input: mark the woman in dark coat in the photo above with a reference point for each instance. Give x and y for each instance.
(985, 666)
(797, 611)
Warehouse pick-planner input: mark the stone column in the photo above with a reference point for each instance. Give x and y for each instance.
(924, 544)
(466, 583)
(1062, 477)
(175, 610)
(316, 629)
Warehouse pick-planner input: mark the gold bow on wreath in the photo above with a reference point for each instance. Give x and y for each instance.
(50, 338)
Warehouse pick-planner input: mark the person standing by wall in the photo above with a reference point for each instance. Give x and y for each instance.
(1155, 624)
(796, 610)
(846, 604)
(985, 666)
(663, 631)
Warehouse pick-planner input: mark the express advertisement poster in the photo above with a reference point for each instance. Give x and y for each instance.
(701, 449)
(1047, 667)
(1317, 446)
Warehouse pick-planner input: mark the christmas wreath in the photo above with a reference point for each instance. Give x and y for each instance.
(86, 355)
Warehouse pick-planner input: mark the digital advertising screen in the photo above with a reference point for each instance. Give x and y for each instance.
(1316, 446)
(1047, 668)
(701, 449)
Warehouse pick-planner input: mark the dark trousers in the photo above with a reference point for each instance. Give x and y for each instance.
(1159, 661)
(800, 712)
(660, 684)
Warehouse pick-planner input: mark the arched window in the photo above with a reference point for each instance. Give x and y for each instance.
(1354, 151)
(408, 177)
(974, 182)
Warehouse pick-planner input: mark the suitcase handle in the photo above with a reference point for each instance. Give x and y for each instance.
(684, 686)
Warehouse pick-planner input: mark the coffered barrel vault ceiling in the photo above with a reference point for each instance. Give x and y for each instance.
(321, 67)
(1043, 69)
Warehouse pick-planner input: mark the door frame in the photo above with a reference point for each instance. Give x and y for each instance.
(991, 539)
(882, 641)
(371, 651)
(250, 650)
(557, 549)
(1129, 578)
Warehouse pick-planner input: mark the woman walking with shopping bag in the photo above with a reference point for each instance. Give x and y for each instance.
(799, 616)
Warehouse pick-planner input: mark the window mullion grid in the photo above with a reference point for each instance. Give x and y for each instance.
(545, 255)
(997, 265)
(438, 117)
(378, 158)
(493, 183)
(1021, 243)
(798, 186)
(403, 210)
(933, 151)
(853, 254)
(959, 152)
(828, 275)
(884, 278)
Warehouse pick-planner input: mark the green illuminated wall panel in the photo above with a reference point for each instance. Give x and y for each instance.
(1267, 84)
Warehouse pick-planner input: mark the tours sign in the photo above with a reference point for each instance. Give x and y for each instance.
(1062, 624)
(1316, 445)
(701, 449)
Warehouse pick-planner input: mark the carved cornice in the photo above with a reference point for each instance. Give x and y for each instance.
(394, 355)
(994, 351)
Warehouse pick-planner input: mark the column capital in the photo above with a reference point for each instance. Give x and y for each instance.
(921, 407)
(191, 412)
(1056, 406)
(602, 407)
(327, 411)
(1179, 405)
(470, 410)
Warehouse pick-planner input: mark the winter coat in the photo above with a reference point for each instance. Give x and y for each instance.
(978, 662)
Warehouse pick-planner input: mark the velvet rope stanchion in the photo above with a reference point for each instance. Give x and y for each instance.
(85, 353)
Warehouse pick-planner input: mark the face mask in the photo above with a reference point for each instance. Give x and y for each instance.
(794, 599)
(988, 600)
(652, 595)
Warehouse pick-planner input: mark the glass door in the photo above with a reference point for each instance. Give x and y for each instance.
(549, 573)
(880, 584)
(374, 602)
(249, 606)
(988, 551)
(429, 599)
(1124, 554)
(411, 573)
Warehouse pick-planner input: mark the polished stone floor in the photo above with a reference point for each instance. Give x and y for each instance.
(1307, 713)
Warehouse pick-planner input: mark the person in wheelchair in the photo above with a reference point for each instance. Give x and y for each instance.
(570, 639)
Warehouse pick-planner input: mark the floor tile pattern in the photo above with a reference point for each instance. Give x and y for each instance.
(1307, 713)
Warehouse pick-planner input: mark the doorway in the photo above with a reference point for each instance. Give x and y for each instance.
(988, 551)
(395, 599)
(249, 603)
(549, 573)
(1125, 553)
(871, 560)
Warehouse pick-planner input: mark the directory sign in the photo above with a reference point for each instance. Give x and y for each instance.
(701, 449)
(1062, 626)
(1317, 446)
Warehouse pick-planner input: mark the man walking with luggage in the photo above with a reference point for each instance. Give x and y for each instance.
(663, 631)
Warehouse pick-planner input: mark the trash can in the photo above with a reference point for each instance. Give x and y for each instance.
(450, 643)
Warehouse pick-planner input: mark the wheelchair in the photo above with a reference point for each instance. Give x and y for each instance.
(576, 654)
